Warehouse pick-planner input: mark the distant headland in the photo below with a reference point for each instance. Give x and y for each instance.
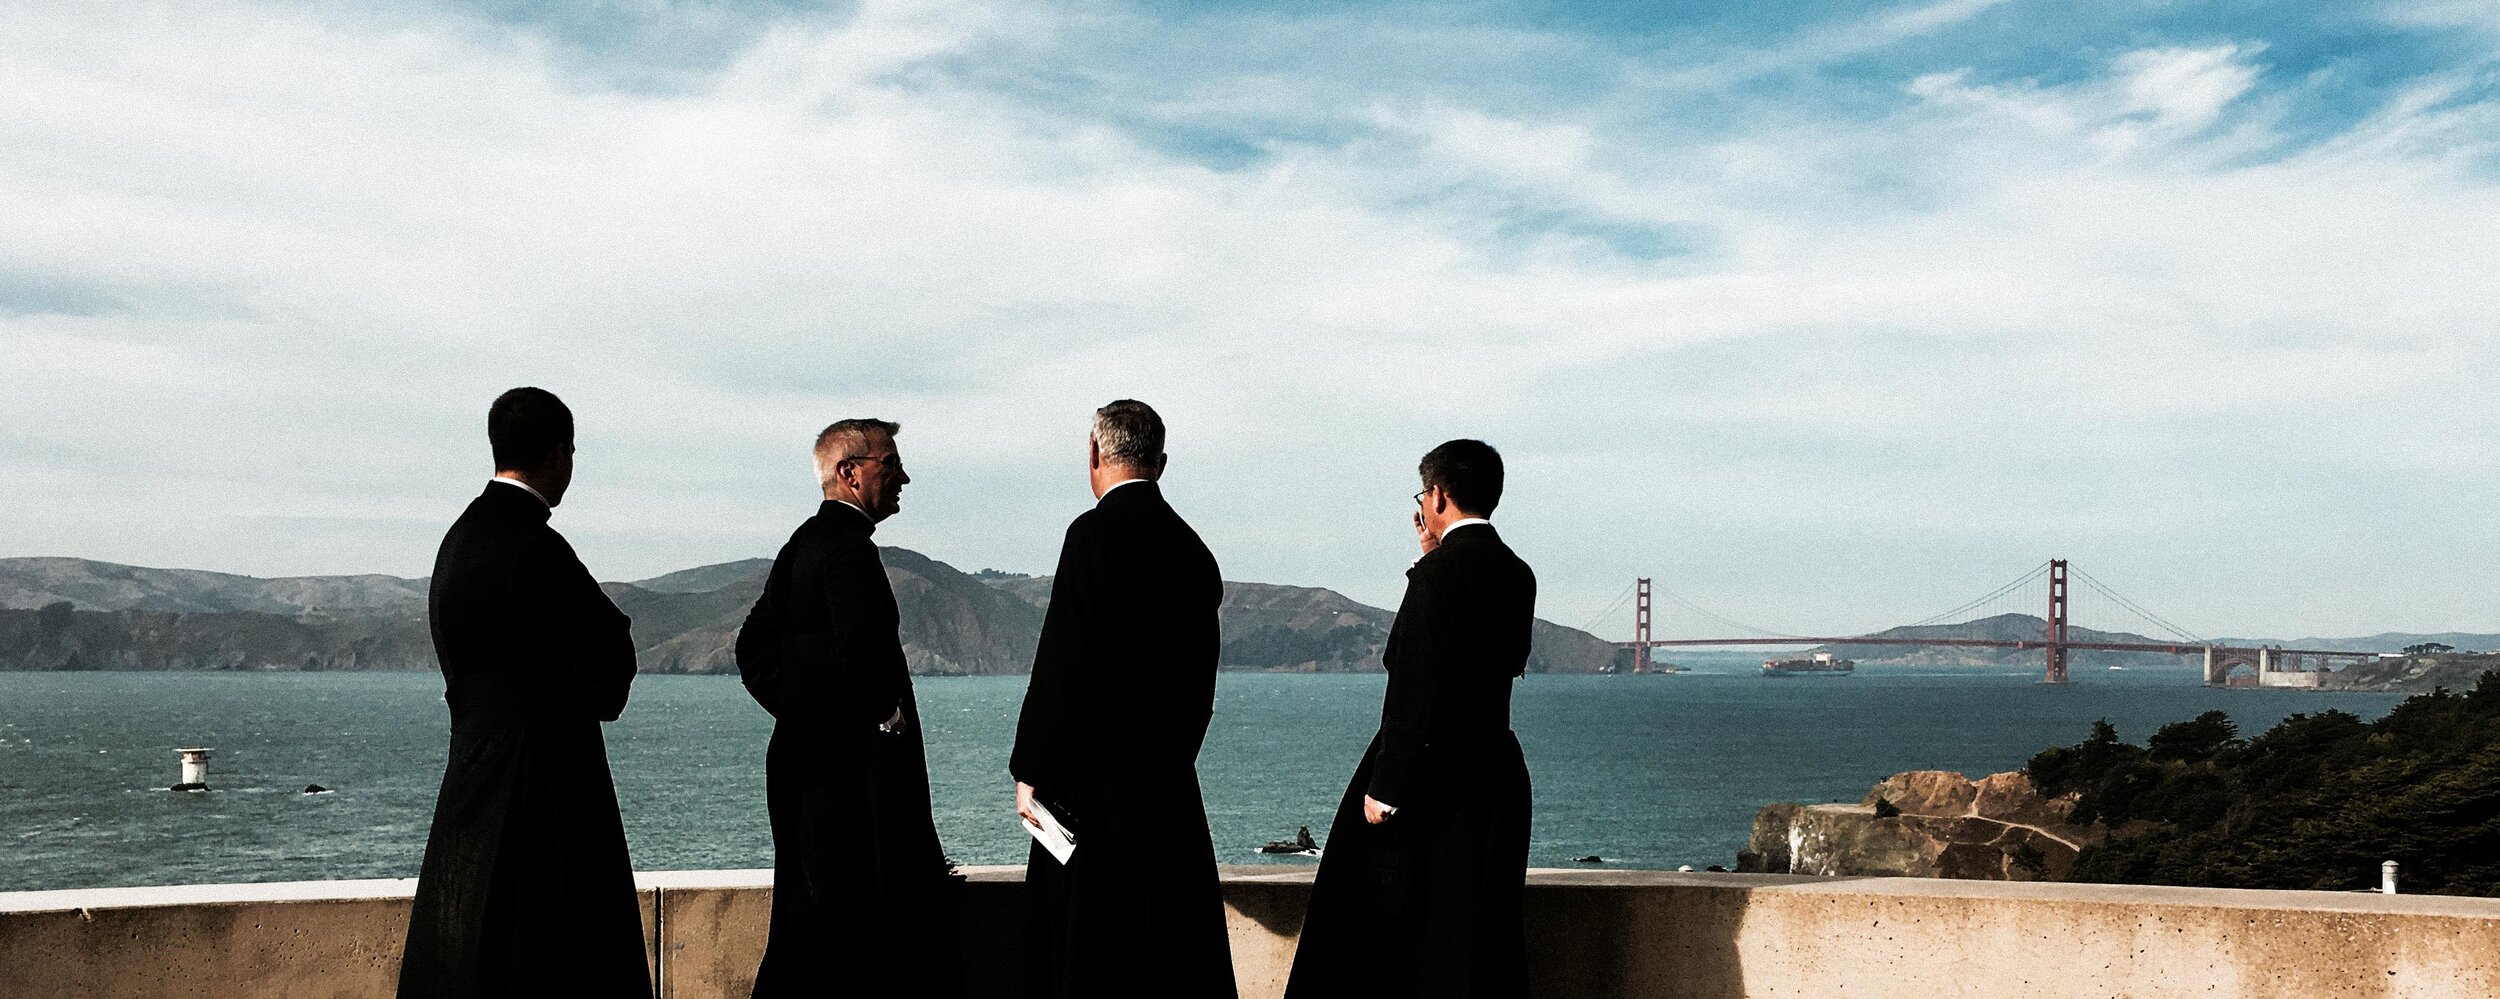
(78, 614)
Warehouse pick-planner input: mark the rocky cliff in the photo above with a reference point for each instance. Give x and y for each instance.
(1925, 824)
(75, 614)
(2414, 674)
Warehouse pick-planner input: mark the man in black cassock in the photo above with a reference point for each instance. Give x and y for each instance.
(1123, 686)
(526, 888)
(865, 902)
(1419, 888)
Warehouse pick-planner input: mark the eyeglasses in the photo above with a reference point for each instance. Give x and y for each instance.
(1421, 493)
(894, 461)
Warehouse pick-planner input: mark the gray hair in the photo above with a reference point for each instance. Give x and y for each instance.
(843, 439)
(1129, 433)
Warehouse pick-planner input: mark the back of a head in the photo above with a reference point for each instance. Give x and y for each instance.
(1127, 432)
(527, 426)
(1470, 471)
(849, 439)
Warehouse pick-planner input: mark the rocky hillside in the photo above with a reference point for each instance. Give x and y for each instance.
(2414, 674)
(2390, 641)
(1304, 629)
(29, 583)
(2315, 803)
(1926, 824)
(77, 614)
(2002, 627)
(60, 637)
(58, 613)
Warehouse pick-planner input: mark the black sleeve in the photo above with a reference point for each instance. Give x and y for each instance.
(1210, 638)
(841, 673)
(601, 637)
(1042, 729)
(759, 653)
(1406, 711)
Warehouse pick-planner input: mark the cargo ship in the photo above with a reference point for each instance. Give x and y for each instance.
(1821, 662)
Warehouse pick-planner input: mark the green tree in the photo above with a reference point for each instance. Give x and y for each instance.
(2315, 802)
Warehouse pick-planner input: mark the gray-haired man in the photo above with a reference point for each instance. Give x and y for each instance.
(864, 901)
(1123, 686)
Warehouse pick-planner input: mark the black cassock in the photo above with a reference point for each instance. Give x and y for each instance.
(1123, 685)
(864, 900)
(526, 888)
(1427, 903)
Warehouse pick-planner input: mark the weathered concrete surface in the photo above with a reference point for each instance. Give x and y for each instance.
(314, 939)
(713, 927)
(1941, 825)
(1591, 934)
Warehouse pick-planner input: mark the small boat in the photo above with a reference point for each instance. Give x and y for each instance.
(1301, 845)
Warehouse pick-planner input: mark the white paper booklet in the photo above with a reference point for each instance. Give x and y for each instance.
(1050, 834)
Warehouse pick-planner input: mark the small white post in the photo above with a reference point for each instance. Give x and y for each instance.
(194, 769)
(2387, 878)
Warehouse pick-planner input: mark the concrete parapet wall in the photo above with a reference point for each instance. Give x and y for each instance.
(1590, 934)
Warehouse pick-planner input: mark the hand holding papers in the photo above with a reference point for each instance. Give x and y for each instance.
(1046, 829)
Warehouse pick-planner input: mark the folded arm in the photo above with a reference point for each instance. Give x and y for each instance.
(1407, 709)
(591, 636)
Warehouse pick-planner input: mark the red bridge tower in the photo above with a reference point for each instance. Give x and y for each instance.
(2057, 622)
(1640, 629)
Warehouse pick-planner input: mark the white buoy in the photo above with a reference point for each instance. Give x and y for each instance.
(194, 769)
(2387, 878)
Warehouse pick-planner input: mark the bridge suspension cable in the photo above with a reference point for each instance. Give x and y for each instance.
(1661, 589)
(2155, 619)
(1591, 627)
(1953, 616)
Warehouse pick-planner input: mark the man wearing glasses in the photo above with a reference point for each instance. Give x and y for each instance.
(1419, 892)
(864, 899)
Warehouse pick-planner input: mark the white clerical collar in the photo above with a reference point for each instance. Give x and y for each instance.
(1463, 522)
(1123, 482)
(524, 487)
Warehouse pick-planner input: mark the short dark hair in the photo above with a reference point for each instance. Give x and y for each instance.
(527, 426)
(1128, 431)
(1469, 470)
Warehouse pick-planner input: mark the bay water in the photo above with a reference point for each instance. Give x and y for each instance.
(1645, 771)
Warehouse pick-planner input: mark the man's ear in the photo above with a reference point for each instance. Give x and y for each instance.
(1161, 460)
(1093, 453)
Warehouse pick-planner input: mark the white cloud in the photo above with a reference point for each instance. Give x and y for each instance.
(324, 242)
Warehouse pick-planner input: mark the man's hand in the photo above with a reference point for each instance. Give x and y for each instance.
(1024, 803)
(894, 723)
(1375, 812)
(1424, 535)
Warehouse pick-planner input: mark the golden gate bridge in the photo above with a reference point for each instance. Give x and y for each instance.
(2225, 664)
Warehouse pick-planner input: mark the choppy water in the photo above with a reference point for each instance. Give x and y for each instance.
(1646, 771)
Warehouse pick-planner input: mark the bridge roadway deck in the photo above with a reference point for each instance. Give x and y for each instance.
(1592, 934)
(2174, 648)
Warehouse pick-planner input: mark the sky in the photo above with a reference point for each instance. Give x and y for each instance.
(1828, 316)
